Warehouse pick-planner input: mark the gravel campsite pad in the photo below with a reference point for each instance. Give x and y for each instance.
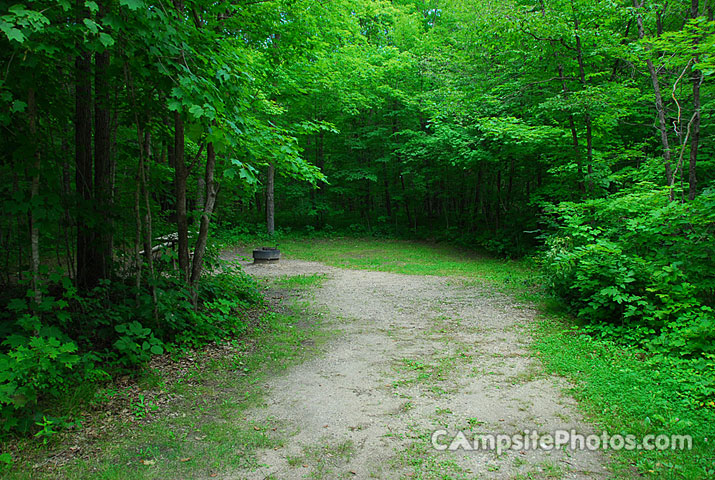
(415, 354)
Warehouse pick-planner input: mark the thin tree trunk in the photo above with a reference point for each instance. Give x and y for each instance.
(211, 193)
(20, 229)
(102, 165)
(270, 206)
(697, 79)
(138, 231)
(574, 133)
(34, 193)
(66, 198)
(510, 184)
(320, 163)
(144, 156)
(406, 203)
(660, 108)
(386, 185)
(86, 273)
(587, 116)
(499, 202)
(181, 174)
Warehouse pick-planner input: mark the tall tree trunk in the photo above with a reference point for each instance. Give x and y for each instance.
(587, 116)
(574, 133)
(138, 229)
(34, 193)
(386, 185)
(102, 165)
(200, 193)
(211, 193)
(66, 194)
(144, 157)
(659, 106)
(510, 184)
(181, 174)
(407, 204)
(86, 271)
(270, 205)
(497, 222)
(320, 163)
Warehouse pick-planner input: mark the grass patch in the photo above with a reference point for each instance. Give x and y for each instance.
(420, 460)
(300, 282)
(627, 394)
(410, 258)
(325, 459)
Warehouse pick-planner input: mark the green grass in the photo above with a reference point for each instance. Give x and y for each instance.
(626, 394)
(410, 258)
(299, 282)
(204, 432)
(326, 460)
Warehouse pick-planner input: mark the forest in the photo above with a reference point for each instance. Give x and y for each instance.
(577, 133)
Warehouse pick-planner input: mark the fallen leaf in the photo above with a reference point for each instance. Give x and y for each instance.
(257, 428)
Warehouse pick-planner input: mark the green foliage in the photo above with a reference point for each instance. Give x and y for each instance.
(141, 408)
(76, 339)
(639, 269)
(136, 344)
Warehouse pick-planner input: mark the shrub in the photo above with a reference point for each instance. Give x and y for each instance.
(70, 340)
(641, 261)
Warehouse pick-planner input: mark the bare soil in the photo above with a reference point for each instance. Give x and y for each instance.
(415, 354)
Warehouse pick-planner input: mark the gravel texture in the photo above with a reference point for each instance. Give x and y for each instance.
(415, 354)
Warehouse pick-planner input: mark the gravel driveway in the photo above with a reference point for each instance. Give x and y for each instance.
(415, 354)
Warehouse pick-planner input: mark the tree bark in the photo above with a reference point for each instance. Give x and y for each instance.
(181, 174)
(102, 165)
(86, 272)
(34, 193)
(144, 157)
(407, 204)
(697, 79)
(211, 194)
(270, 205)
(587, 116)
(574, 133)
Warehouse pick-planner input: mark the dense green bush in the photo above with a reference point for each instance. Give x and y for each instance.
(641, 268)
(69, 340)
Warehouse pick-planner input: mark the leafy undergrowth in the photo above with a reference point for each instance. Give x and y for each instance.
(620, 387)
(185, 417)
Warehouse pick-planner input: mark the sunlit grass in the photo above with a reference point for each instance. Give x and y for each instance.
(410, 258)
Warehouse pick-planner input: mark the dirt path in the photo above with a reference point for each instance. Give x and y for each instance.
(416, 354)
